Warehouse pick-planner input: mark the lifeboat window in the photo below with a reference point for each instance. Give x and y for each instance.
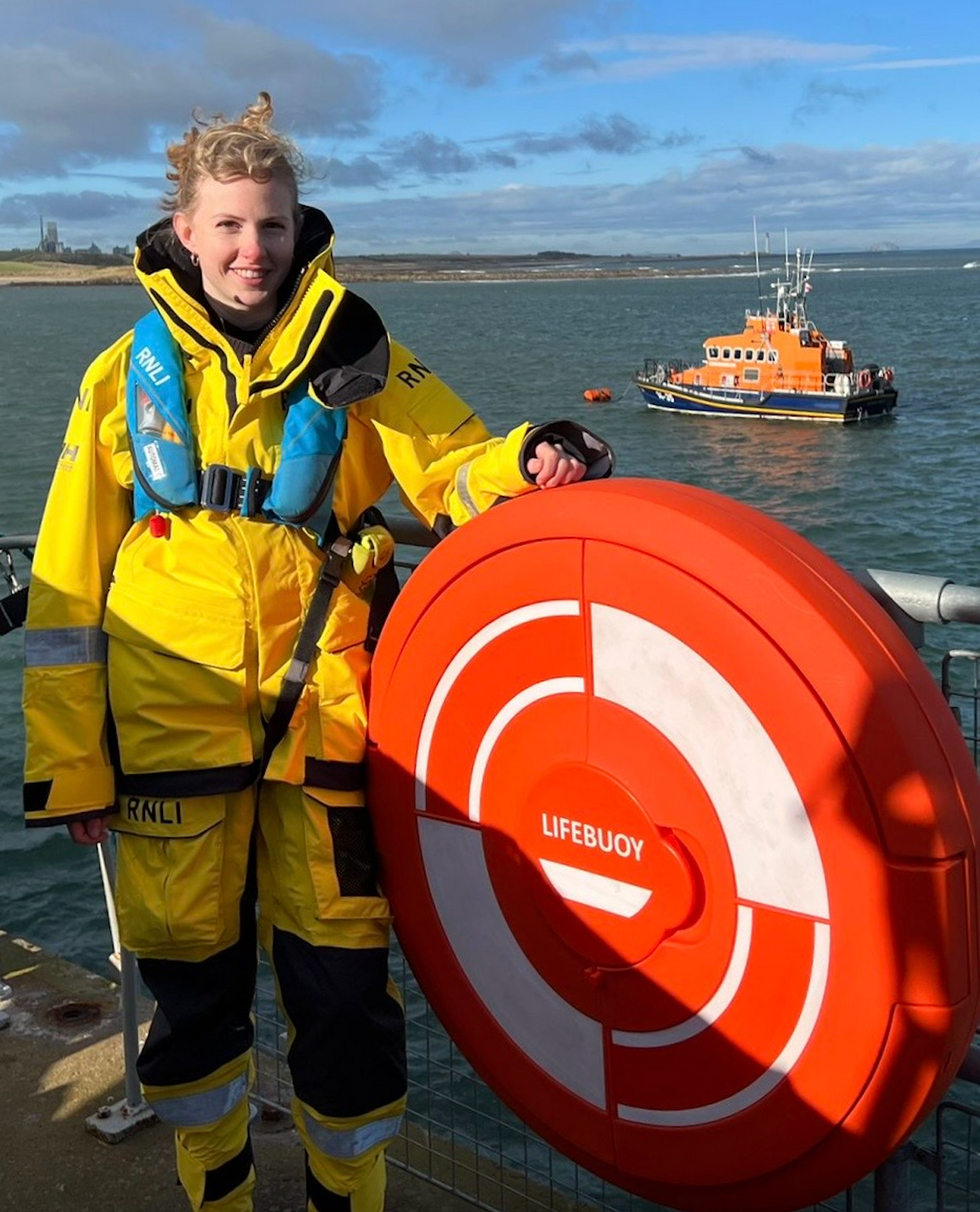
(773, 355)
(737, 355)
(751, 374)
(726, 353)
(749, 355)
(712, 351)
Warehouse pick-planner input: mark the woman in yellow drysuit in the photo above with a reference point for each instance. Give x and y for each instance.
(216, 460)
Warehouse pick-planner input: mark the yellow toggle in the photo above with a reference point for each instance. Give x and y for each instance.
(372, 550)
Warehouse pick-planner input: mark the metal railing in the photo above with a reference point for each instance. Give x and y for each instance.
(743, 375)
(13, 603)
(462, 1139)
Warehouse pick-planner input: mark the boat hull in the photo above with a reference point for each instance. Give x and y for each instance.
(777, 405)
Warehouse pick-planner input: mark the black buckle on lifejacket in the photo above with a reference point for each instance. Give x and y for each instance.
(226, 490)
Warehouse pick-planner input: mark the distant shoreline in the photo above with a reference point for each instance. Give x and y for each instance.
(448, 267)
(352, 277)
(433, 268)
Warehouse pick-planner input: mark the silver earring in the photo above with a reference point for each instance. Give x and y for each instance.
(195, 260)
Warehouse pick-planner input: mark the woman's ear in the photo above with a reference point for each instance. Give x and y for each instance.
(182, 230)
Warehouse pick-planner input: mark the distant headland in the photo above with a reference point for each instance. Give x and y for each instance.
(93, 268)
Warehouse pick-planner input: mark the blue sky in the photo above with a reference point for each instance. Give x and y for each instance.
(510, 126)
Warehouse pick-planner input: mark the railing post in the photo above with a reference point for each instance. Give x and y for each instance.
(6, 994)
(129, 978)
(893, 1182)
(115, 1121)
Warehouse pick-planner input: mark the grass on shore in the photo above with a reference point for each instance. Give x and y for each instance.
(62, 271)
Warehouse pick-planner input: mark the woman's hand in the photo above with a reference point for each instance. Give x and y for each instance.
(553, 466)
(89, 832)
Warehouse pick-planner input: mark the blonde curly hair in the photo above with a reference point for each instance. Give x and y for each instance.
(222, 149)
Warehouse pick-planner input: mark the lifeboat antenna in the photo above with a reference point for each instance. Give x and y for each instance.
(758, 272)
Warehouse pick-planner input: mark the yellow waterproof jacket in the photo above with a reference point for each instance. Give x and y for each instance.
(151, 659)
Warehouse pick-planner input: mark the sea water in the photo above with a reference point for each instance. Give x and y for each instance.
(893, 493)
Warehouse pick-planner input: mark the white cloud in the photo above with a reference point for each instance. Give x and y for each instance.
(903, 65)
(835, 200)
(635, 57)
(93, 98)
(382, 97)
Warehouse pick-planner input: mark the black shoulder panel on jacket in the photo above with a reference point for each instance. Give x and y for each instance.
(351, 362)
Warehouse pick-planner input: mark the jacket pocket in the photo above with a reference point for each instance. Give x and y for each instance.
(170, 875)
(177, 682)
(322, 843)
(342, 860)
(437, 411)
(191, 629)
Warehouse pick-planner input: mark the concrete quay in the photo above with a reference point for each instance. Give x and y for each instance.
(61, 1060)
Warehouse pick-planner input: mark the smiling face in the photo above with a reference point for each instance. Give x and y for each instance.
(243, 232)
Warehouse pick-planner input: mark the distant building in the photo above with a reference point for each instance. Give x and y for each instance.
(49, 238)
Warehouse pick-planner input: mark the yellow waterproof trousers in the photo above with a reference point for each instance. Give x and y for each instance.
(189, 875)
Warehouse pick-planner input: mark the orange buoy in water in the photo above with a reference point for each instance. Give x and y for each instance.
(681, 841)
(597, 395)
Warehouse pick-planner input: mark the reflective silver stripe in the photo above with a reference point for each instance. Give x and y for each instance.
(463, 491)
(196, 1110)
(65, 646)
(352, 1142)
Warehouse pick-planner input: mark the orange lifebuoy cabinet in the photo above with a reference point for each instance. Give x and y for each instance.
(679, 835)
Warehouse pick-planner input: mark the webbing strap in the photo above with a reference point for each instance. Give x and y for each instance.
(310, 632)
(386, 584)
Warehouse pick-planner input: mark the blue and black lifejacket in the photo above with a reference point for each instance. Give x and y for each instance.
(165, 470)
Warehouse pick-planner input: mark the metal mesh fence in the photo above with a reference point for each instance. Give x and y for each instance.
(957, 1160)
(960, 680)
(459, 1136)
